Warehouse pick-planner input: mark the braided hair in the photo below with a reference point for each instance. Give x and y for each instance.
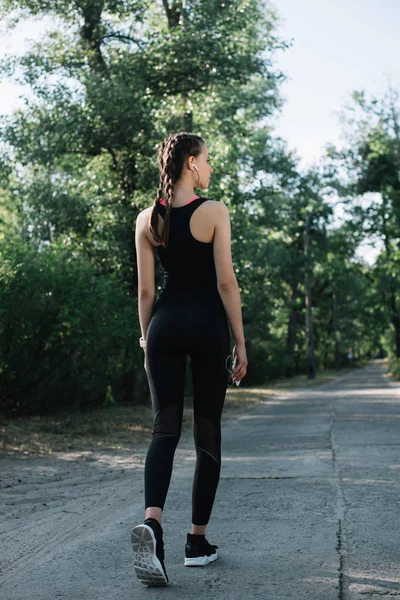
(171, 157)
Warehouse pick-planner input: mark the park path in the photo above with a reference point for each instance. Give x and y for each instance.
(307, 508)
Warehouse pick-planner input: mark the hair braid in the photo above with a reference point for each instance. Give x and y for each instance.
(171, 156)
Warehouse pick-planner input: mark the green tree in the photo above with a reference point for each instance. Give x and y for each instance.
(371, 161)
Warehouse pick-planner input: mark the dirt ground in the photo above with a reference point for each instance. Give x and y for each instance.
(67, 484)
(123, 427)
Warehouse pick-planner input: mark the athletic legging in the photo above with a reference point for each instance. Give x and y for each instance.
(202, 332)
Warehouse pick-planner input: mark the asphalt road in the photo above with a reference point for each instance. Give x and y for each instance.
(307, 508)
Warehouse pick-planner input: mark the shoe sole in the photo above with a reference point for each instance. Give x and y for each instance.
(200, 561)
(148, 567)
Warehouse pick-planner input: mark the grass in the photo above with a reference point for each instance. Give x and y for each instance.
(125, 427)
(301, 381)
(112, 427)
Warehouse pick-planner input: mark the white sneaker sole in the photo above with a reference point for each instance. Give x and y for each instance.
(200, 561)
(148, 568)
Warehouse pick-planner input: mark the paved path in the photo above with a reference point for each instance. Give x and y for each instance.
(307, 507)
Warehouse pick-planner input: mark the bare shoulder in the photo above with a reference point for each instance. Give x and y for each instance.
(216, 205)
(216, 212)
(145, 214)
(143, 224)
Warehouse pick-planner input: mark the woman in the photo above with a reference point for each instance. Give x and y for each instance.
(200, 295)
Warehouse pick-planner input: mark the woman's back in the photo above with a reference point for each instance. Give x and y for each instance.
(188, 261)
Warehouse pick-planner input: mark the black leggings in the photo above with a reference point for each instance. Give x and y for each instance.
(202, 332)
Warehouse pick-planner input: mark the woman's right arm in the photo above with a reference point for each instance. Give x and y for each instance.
(228, 286)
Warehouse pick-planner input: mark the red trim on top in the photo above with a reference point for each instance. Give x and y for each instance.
(191, 200)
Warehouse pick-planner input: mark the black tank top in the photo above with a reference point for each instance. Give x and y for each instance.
(188, 263)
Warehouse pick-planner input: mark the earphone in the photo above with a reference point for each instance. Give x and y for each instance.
(198, 174)
(234, 361)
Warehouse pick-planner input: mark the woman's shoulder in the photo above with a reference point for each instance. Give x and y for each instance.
(143, 213)
(144, 217)
(216, 210)
(214, 204)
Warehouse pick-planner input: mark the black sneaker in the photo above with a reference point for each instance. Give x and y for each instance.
(198, 552)
(148, 551)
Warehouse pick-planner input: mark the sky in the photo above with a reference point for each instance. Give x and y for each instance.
(338, 46)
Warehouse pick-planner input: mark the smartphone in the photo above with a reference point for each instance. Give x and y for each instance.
(234, 361)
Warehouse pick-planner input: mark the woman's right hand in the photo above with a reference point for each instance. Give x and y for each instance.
(241, 366)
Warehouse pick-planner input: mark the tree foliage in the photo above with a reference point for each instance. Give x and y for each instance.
(110, 80)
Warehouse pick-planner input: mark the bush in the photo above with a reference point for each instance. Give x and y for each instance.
(394, 367)
(66, 332)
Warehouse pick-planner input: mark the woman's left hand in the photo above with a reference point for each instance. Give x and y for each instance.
(144, 352)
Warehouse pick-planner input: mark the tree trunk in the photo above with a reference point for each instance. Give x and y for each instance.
(394, 315)
(396, 324)
(290, 370)
(336, 328)
(309, 323)
(91, 35)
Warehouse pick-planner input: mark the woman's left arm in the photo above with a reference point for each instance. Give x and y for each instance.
(145, 269)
